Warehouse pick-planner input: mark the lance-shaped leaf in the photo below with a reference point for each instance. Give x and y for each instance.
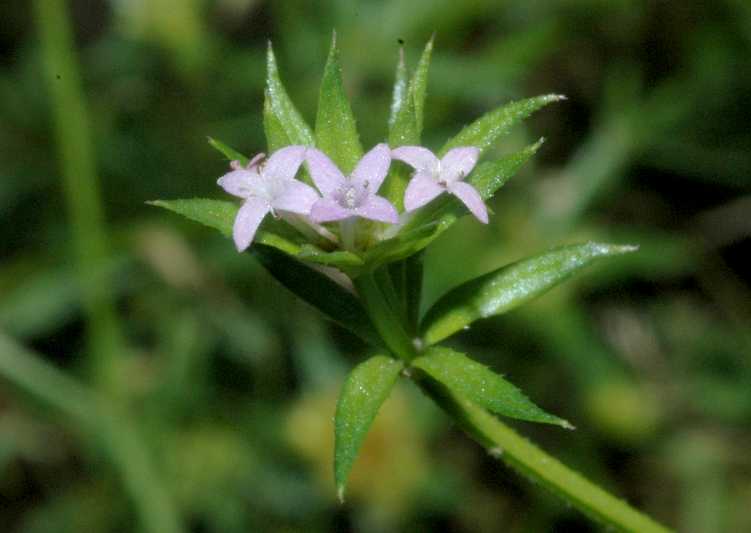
(336, 133)
(229, 152)
(363, 393)
(510, 286)
(220, 215)
(486, 129)
(283, 109)
(419, 83)
(400, 92)
(479, 384)
(319, 290)
(405, 122)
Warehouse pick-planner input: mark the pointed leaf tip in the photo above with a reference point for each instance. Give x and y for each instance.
(477, 383)
(510, 286)
(484, 131)
(229, 152)
(281, 111)
(335, 128)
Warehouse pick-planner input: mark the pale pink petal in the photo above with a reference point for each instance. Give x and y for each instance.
(471, 198)
(248, 219)
(421, 189)
(284, 163)
(372, 168)
(416, 156)
(327, 210)
(297, 198)
(327, 177)
(378, 208)
(458, 163)
(239, 182)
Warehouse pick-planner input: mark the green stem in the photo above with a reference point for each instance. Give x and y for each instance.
(100, 421)
(347, 233)
(529, 460)
(80, 184)
(384, 317)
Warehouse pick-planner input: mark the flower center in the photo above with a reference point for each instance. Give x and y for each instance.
(350, 196)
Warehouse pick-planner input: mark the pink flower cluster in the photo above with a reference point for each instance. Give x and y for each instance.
(269, 185)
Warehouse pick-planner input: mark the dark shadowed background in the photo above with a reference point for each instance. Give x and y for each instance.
(221, 386)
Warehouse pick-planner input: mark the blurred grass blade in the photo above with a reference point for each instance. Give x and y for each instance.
(229, 152)
(363, 393)
(319, 290)
(102, 424)
(419, 84)
(282, 108)
(510, 286)
(81, 186)
(485, 130)
(399, 93)
(477, 383)
(220, 215)
(336, 132)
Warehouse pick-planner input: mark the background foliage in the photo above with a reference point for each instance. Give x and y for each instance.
(225, 385)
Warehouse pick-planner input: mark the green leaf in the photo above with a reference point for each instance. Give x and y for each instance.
(220, 215)
(217, 214)
(276, 136)
(229, 153)
(490, 176)
(485, 130)
(419, 83)
(363, 393)
(477, 383)
(282, 108)
(510, 286)
(405, 121)
(336, 133)
(400, 93)
(319, 290)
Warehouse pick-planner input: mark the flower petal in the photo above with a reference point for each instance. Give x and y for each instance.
(327, 177)
(416, 156)
(327, 210)
(458, 163)
(298, 197)
(471, 198)
(378, 208)
(248, 219)
(284, 163)
(372, 168)
(421, 189)
(239, 182)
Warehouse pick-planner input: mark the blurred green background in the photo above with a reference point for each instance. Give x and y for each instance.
(151, 378)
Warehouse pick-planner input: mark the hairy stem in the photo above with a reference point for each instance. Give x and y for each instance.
(529, 460)
(102, 423)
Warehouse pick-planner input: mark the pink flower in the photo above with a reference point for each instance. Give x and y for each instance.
(267, 187)
(355, 196)
(433, 177)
